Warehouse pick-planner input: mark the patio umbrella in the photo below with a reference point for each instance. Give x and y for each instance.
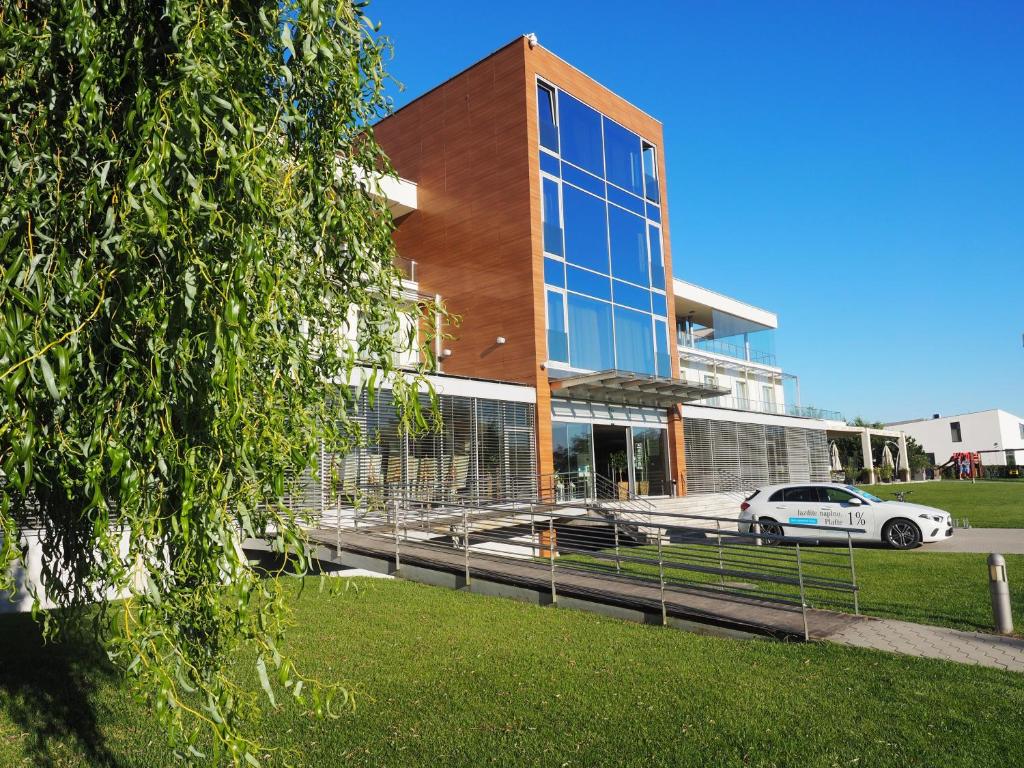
(837, 465)
(887, 457)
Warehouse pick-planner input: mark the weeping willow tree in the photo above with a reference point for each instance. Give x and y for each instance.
(185, 224)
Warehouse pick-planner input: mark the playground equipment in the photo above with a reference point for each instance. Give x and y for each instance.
(975, 467)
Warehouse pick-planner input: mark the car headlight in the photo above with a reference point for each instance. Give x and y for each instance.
(936, 518)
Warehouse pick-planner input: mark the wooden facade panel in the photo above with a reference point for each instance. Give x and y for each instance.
(471, 238)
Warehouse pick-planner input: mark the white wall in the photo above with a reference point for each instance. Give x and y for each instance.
(981, 432)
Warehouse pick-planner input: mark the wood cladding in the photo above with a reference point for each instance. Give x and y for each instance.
(465, 145)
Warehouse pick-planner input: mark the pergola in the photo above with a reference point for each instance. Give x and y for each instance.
(846, 430)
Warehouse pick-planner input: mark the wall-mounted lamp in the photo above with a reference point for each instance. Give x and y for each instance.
(500, 340)
(446, 353)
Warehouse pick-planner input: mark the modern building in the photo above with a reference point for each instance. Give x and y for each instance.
(997, 435)
(534, 201)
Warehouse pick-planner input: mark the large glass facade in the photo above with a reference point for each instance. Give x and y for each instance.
(602, 236)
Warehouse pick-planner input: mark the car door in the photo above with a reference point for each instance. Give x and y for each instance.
(838, 509)
(802, 509)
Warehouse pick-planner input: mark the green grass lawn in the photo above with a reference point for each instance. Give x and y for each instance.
(452, 679)
(986, 503)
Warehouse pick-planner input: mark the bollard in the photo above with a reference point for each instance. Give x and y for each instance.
(999, 588)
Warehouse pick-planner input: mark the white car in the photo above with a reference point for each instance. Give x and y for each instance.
(781, 510)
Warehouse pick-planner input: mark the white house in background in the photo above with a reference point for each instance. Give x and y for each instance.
(996, 434)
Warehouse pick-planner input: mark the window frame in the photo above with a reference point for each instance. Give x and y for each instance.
(561, 214)
(956, 433)
(656, 176)
(552, 91)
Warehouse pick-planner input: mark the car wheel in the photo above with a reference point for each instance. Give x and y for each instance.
(771, 532)
(901, 534)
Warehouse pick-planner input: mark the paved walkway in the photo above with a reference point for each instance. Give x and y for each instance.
(933, 643)
(1005, 541)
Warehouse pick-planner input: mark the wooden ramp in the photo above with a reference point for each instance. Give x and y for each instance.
(727, 611)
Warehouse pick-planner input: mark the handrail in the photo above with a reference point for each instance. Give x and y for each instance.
(676, 553)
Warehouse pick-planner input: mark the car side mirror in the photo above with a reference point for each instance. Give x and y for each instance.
(855, 501)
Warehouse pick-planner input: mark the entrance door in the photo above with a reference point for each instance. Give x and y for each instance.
(611, 458)
(650, 461)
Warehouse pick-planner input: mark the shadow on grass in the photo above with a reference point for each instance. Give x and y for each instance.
(45, 692)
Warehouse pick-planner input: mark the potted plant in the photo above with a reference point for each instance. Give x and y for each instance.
(617, 466)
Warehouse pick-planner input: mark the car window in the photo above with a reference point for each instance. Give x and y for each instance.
(778, 495)
(836, 495)
(802, 493)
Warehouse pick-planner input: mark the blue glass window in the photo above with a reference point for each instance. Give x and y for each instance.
(554, 272)
(552, 218)
(622, 157)
(631, 296)
(626, 200)
(657, 261)
(633, 343)
(590, 333)
(558, 340)
(580, 131)
(661, 348)
(582, 281)
(546, 117)
(650, 174)
(659, 305)
(582, 179)
(629, 246)
(586, 229)
(654, 213)
(549, 164)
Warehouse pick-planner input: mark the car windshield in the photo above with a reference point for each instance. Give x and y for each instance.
(864, 494)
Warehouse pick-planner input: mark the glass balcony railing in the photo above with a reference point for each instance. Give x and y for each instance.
(719, 347)
(407, 267)
(762, 406)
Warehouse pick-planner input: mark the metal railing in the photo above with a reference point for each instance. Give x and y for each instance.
(735, 351)
(553, 545)
(771, 406)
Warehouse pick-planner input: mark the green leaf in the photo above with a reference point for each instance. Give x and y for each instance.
(50, 381)
(261, 670)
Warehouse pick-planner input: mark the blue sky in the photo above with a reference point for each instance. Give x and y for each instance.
(856, 167)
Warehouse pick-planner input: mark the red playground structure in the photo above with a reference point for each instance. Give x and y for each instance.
(966, 465)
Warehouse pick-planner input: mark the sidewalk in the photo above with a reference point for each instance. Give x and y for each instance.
(933, 642)
(1005, 541)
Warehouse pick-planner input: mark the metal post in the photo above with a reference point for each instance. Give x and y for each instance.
(721, 560)
(661, 577)
(853, 574)
(337, 542)
(398, 556)
(755, 528)
(999, 589)
(618, 569)
(533, 534)
(803, 600)
(551, 557)
(465, 540)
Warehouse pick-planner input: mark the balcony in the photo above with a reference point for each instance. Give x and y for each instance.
(407, 268)
(771, 407)
(719, 347)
